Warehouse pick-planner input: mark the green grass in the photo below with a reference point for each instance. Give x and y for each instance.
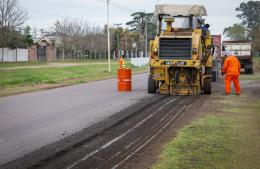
(25, 64)
(227, 138)
(249, 77)
(15, 64)
(53, 75)
(256, 75)
(257, 62)
(11, 79)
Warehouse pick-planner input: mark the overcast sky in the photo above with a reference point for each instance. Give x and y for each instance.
(44, 13)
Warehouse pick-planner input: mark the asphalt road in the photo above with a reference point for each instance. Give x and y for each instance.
(118, 144)
(31, 121)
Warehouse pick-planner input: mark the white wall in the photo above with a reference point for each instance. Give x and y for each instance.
(139, 62)
(9, 55)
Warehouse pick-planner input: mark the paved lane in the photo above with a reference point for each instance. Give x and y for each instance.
(30, 121)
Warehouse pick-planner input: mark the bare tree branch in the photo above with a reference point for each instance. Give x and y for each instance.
(11, 17)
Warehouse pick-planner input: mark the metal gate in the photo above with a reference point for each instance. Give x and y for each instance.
(41, 53)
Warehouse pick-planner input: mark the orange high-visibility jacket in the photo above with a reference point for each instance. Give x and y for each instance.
(122, 63)
(231, 66)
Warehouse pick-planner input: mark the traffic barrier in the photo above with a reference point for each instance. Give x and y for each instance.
(124, 77)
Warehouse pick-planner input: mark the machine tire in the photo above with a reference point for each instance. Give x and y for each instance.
(151, 85)
(207, 85)
(214, 76)
(246, 71)
(249, 68)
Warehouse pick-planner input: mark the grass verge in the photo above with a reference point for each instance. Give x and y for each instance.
(227, 137)
(15, 64)
(256, 75)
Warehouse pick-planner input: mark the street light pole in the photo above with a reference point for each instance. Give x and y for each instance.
(108, 37)
(118, 43)
(146, 38)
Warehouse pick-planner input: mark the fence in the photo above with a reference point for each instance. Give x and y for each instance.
(13, 55)
(81, 55)
(18, 55)
(139, 62)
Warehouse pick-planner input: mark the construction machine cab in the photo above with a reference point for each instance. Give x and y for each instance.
(181, 59)
(174, 23)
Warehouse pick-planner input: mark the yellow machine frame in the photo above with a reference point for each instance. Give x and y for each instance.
(177, 76)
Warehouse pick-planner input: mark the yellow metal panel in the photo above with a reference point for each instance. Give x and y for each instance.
(198, 31)
(196, 41)
(151, 45)
(174, 63)
(159, 74)
(209, 62)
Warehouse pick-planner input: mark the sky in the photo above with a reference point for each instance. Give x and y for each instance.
(43, 14)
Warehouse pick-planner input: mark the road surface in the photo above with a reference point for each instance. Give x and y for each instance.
(118, 144)
(31, 121)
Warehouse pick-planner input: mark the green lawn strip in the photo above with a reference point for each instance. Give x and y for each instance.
(249, 77)
(256, 61)
(228, 138)
(58, 62)
(15, 64)
(255, 75)
(28, 79)
(23, 77)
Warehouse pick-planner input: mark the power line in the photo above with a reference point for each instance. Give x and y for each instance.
(61, 16)
(46, 13)
(118, 6)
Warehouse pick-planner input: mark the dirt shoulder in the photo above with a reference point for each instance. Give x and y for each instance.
(151, 154)
(217, 131)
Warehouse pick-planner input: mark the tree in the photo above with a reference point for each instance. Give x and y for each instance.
(139, 23)
(236, 32)
(79, 38)
(27, 36)
(11, 17)
(250, 15)
(15, 40)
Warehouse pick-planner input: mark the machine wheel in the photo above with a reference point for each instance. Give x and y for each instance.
(249, 68)
(214, 76)
(151, 85)
(207, 85)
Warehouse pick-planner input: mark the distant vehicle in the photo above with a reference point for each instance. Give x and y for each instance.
(243, 51)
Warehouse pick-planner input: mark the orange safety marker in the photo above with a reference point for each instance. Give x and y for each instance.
(124, 77)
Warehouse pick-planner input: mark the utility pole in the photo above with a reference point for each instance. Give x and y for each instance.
(108, 37)
(146, 38)
(126, 52)
(118, 44)
(55, 41)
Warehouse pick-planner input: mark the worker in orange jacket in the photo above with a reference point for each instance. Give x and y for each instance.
(122, 62)
(231, 69)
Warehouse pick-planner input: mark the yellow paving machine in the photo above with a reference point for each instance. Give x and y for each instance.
(181, 52)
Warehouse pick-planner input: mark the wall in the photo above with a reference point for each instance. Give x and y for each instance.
(50, 53)
(32, 53)
(139, 62)
(13, 55)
